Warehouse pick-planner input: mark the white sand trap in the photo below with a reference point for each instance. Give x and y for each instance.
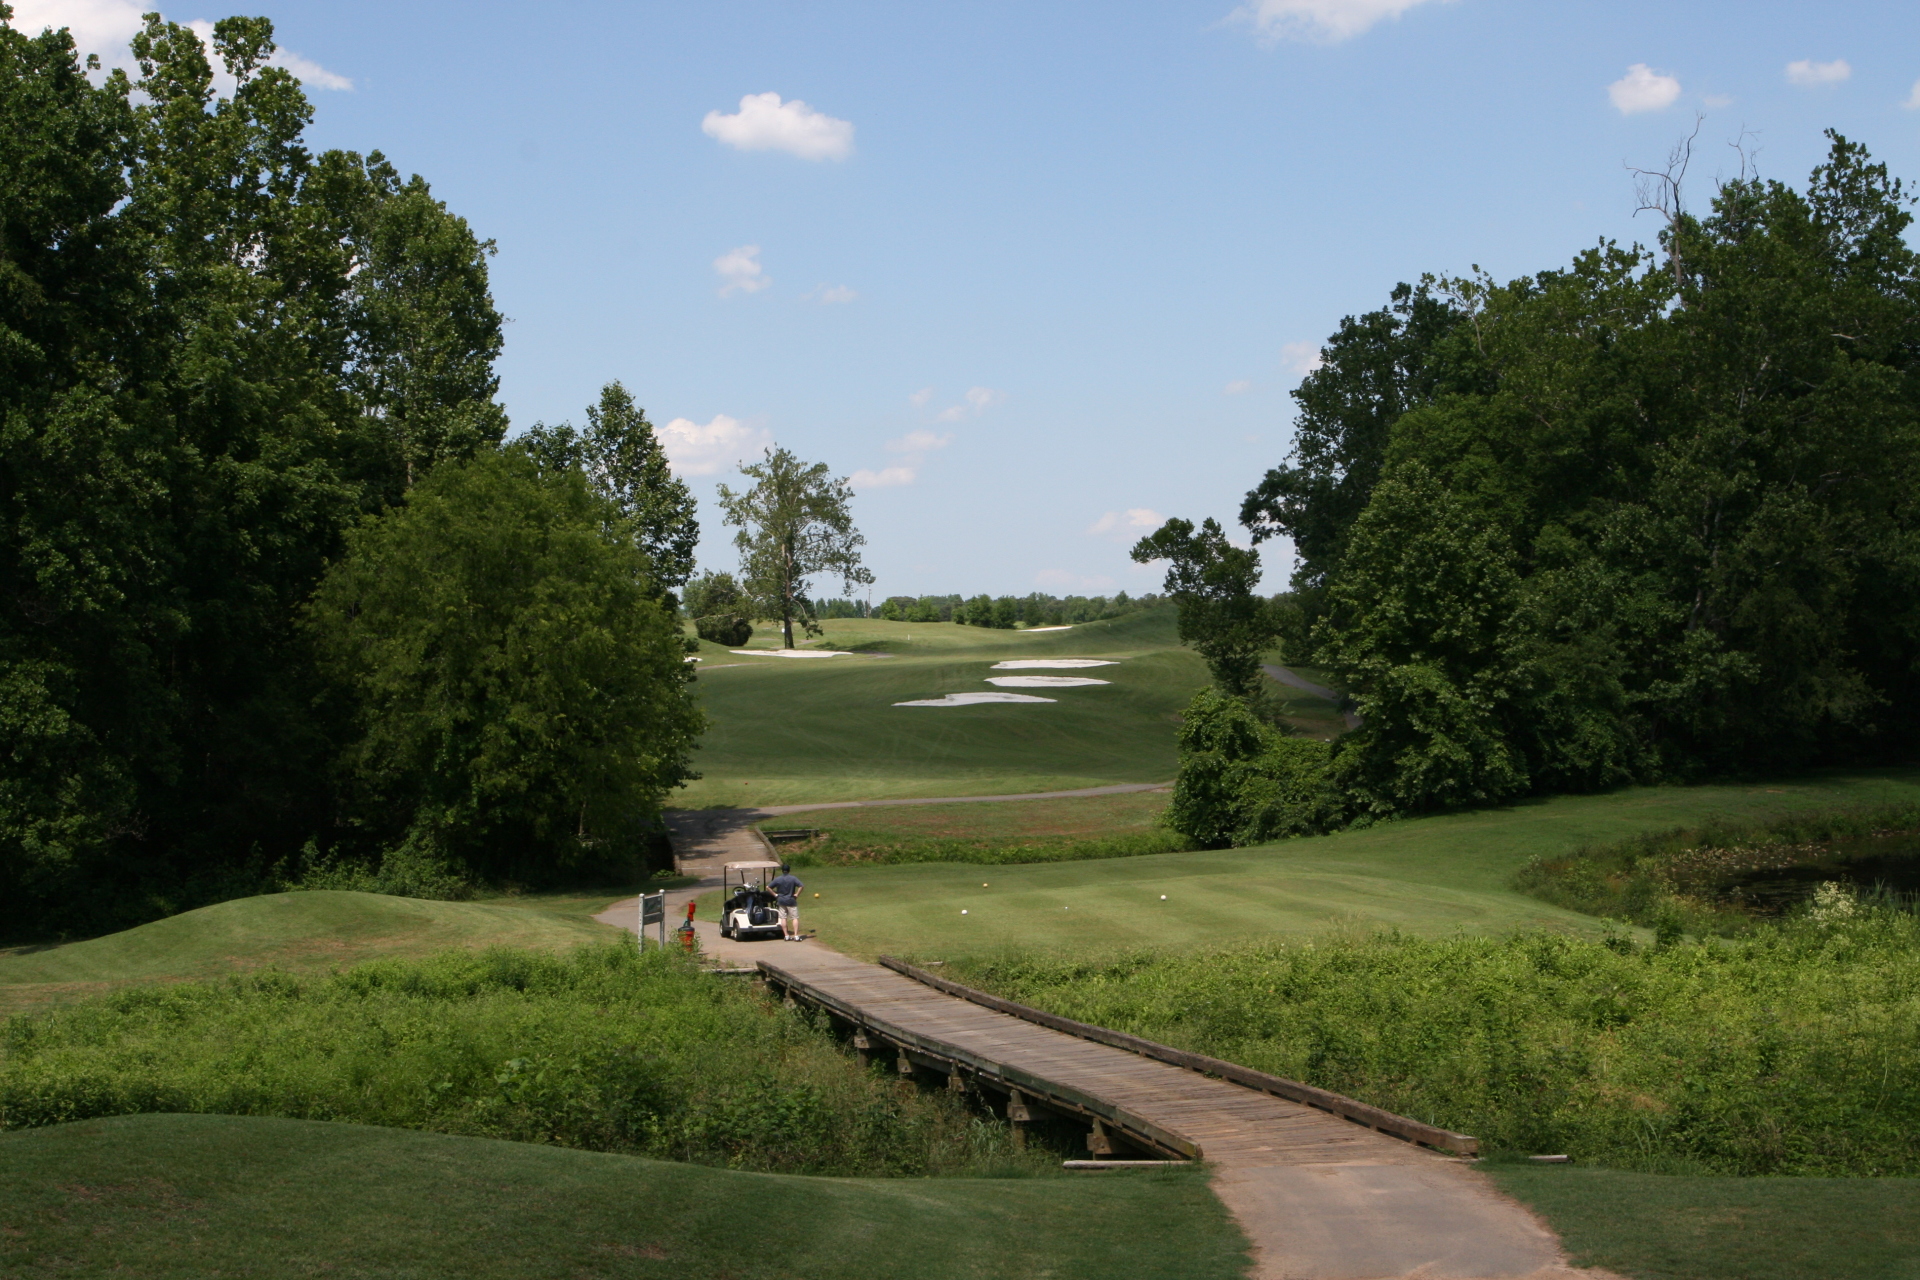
(1032, 631)
(1043, 682)
(968, 699)
(792, 653)
(1016, 664)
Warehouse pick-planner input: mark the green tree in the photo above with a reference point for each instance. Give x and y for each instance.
(1372, 370)
(712, 593)
(1212, 581)
(795, 521)
(420, 329)
(1675, 530)
(521, 696)
(623, 460)
(185, 300)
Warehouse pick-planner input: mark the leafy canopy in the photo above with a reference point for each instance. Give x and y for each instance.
(794, 521)
(521, 701)
(1211, 581)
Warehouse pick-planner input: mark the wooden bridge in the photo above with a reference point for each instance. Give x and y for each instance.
(1326, 1187)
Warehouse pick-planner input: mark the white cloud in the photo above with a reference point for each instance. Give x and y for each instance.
(1128, 525)
(105, 26)
(838, 293)
(694, 449)
(1300, 358)
(885, 478)
(1320, 21)
(1643, 89)
(1913, 99)
(977, 400)
(764, 123)
(921, 441)
(919, 398)
(1715, 101)
(1235, 387)
(1808, 72)
(741, 270)
(310, 72)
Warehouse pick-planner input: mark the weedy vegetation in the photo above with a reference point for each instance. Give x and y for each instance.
(601, 1048)
(1792, 1051)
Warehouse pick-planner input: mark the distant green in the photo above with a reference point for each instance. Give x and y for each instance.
(793, 730)
(1429, 876)
(175, 1197)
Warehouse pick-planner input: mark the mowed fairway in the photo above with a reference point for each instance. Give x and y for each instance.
(192, 1196)
(294, 931)
(794, 730)
(1426, 876)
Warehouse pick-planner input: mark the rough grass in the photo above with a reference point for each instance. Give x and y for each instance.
(1796, 1051)
(1681, 1228)
(1431, 876)
(1118, 826)
(791, 731)
(185, 1197)
(297, 932)
(601, 1048)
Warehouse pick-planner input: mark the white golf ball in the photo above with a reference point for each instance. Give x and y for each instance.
(1163, 897)
(963, 911)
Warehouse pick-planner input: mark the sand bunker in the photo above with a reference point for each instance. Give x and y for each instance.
(968, 699)
(1037, 630)
(1043, 682)
(792, 653)
(1016, 664)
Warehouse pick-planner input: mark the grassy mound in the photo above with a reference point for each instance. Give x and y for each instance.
(293, 931)
(1791, 1052)
(169, 1196)
(1678, 1228)
(1426, 876)
(599, 1048)
(790, 731)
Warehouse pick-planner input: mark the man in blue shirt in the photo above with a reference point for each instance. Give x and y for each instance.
(786, 896)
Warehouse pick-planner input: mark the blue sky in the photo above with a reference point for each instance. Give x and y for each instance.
(1034, 274)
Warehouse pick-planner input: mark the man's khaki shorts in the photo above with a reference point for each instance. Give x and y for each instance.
(790, 915)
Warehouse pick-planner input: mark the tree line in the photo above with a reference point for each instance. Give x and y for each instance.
(1654, 515)
(279, 601)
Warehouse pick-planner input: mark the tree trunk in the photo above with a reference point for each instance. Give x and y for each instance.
(786, 593)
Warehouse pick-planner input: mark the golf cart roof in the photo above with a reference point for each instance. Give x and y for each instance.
(750, 866)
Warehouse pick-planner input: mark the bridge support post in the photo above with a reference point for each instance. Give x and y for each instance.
(1100, 1142)
(862, 1047)
(1018, 1114)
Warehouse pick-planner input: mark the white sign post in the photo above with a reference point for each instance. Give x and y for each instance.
(653, 910)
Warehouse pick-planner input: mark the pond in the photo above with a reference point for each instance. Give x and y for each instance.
(1888, 862)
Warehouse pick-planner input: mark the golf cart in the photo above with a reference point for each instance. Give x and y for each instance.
(746, 904)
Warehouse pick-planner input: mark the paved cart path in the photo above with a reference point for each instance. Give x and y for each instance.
(1321, 1198)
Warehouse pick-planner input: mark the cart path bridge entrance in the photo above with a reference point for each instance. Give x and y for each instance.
(1319, 1188)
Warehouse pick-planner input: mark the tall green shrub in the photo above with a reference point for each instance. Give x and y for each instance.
(1242, 782)
(520, 691)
